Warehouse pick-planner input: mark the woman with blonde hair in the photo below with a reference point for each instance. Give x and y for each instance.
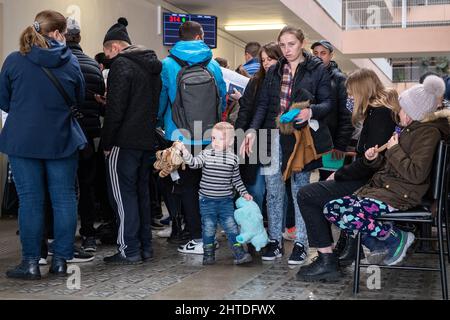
(377, 107)
(42, 138)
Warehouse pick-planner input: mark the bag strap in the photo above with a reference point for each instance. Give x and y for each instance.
(184, 64)
(58, 86)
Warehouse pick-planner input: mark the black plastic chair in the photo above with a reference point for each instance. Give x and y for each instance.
(424, 215)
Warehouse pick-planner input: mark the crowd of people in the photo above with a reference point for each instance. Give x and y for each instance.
(91, 128)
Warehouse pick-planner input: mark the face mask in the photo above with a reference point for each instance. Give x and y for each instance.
(350, 104)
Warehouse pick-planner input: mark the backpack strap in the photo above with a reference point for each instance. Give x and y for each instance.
(182, 63)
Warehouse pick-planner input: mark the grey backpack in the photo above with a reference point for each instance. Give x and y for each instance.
(197, 100)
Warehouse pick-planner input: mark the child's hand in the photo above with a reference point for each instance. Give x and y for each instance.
(248, 197)
(372, 153)
(179, 146)
(393, 141)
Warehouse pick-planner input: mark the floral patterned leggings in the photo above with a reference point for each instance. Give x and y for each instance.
(351, 213)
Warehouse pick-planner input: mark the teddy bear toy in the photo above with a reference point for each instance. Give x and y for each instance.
(168, 161)
(248, 216)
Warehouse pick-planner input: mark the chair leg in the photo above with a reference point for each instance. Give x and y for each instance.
(442, 264)
(447, 232)
(357, 269)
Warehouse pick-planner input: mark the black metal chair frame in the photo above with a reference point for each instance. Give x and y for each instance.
(423, 215)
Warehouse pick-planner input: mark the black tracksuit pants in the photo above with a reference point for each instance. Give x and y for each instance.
(129, 177)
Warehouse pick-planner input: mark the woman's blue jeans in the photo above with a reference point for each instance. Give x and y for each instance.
(32, 177)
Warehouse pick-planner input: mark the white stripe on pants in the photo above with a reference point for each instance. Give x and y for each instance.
(118, 198)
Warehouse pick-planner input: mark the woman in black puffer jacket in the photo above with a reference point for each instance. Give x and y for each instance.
(296, 77)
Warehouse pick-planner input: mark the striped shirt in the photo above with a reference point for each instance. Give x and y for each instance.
(220, 173)
(252, 67)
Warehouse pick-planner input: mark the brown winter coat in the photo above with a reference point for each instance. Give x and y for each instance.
(405, 169)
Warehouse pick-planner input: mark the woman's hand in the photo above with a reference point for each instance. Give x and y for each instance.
(393, 141)
(247, 145)
(304, 115)
(372, 153)
(248, 197)
(236, 95)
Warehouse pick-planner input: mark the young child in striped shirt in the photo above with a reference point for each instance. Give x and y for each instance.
(220, 176)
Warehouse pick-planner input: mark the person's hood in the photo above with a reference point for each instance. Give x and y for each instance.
(144, 57)
(311, 62)
(74, 46)
(192, 51)
(333, 66)
(53, 57)
(439, 119)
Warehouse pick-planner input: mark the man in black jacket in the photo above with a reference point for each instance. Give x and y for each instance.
(339, 119)
(134, 87)
(90, 123)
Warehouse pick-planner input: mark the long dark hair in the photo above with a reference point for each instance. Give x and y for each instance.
(273, 51)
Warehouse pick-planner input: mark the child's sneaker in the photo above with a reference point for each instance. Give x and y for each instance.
(397, 243)
(378, 249)
(273, 250)
(240, 255)
(209, 255)
(290, 234)
(299, 255)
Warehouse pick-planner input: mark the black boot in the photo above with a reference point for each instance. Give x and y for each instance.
(348, 255)
(341, 243)
(324, 268)
(209, 255)
(58, 267)
(27, 270)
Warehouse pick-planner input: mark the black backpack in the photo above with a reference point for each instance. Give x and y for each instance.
(197, 99)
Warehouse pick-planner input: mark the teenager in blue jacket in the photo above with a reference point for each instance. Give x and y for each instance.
(192, 50)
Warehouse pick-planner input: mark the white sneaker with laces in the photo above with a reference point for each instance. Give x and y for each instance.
(194, 247)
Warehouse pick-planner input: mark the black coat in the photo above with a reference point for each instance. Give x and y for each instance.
(311, 80)
(134, 87)
(378, 128)
(339, 119)
(95, 84)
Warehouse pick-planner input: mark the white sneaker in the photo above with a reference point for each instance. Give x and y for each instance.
(43, 262)
(193, 247)
(164, 233)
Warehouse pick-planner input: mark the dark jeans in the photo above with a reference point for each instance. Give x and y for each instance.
(129, 172)
(30, 176)
(312, 199)
(214, 210)
(86, 203)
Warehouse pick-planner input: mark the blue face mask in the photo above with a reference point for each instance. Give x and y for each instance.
(350, 104)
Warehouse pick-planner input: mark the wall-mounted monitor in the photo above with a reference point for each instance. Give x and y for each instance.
(173, 21)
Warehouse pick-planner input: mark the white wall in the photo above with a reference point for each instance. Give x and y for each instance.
(333, 8)
(96, 17)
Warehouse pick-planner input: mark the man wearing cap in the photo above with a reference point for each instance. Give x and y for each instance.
(339, 119)
(90, 123)
(128, 137)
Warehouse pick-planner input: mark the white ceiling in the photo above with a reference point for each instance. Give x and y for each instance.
(238, 12)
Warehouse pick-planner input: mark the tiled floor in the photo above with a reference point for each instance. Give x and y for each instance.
(174, 276)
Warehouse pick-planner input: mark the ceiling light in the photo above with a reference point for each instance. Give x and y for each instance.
(255, 27)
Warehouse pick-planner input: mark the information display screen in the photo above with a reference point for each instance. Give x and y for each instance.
(173, 21)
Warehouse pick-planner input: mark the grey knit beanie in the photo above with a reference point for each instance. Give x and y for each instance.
(422, 99)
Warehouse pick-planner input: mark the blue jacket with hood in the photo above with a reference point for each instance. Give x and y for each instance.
(192, 52)
(40, 124)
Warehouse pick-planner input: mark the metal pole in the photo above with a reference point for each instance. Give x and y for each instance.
(404, 14)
